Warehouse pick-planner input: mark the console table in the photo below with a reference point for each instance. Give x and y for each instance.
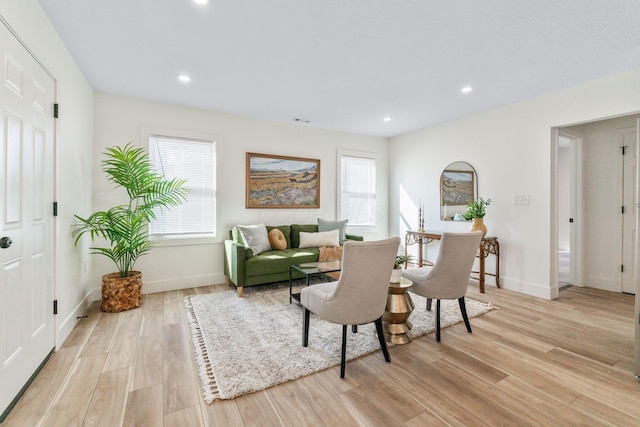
(488, 246)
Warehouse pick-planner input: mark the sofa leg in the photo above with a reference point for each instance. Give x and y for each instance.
(240, 288)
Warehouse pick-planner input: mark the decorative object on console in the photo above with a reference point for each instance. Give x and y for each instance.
(476, 211)
(282, 182)
(124, 227)
(458, 187)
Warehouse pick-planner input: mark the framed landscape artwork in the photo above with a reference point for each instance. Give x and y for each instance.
(457, 187)
(282, 182)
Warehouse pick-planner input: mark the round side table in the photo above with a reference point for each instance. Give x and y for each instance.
(395, 323)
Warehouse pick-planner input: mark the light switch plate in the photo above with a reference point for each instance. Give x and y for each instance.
(521, 199)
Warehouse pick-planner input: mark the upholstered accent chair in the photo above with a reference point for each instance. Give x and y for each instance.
(448, 278)
(359, 296)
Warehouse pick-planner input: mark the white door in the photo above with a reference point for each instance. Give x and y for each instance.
(629, 161)
(26, 200)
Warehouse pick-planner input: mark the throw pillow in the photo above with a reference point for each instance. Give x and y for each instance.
(315, 240)
(255, 237)
(341, 226)
(277, 240)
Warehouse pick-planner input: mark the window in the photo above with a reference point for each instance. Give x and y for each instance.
(195, 161)
(358, 190)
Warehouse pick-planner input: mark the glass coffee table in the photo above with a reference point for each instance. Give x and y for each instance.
(310, 269)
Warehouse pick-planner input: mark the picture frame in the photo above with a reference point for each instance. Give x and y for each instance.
(457, 187)
(282, 182)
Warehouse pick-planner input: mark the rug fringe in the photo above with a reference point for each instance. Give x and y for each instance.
(207, 376)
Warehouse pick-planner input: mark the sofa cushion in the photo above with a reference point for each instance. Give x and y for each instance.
(326, 225)
(286, 230)
(255, 237)
(295, 232)
(277, 240)
(279, 261)
(324, 238)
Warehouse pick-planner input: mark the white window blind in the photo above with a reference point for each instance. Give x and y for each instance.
(195, 162)
(358, 190)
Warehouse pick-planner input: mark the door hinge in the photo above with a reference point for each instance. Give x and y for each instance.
(55, 111)
(55, 306)
(622, 210)
(55, 208)
(621, 268)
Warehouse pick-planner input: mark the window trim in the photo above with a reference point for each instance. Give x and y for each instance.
(194, 239)
(365, 155)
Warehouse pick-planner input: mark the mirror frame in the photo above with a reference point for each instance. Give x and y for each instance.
(461, 169)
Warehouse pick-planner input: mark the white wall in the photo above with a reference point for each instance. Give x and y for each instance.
(74, 148)
(119, 120)
(510, 148)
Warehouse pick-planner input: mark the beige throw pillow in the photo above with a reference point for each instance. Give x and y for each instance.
(277, 240)
(315, 240)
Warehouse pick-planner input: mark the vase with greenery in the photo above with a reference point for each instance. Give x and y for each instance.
(396, 273)
(124, 227)
(476, 211)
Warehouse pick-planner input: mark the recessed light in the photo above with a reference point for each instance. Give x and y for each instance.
(387, 119)
(467, 89)
(184, 78)
(201, 1)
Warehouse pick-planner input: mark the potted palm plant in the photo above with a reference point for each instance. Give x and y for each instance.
(124, 227)
(476, 211)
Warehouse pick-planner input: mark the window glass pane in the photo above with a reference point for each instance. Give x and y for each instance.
(194, 161)
(358, 190)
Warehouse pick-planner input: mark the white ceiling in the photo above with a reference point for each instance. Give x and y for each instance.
(346, 64)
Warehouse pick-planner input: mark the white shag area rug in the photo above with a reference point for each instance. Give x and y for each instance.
(243, 345)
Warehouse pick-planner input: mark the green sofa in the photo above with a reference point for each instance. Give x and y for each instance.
(242, 268)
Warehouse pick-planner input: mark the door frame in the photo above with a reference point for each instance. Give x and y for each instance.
(576, 230)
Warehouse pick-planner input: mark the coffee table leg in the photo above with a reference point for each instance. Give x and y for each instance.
(290, 286)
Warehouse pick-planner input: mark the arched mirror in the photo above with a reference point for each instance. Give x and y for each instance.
(458, 188)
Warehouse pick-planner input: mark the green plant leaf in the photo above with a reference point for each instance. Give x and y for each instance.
(125, 226)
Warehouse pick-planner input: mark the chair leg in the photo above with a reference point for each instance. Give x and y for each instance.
(429, 300)
(305, 328)
(354, 329)
(463, 310)
(343, 356)
(438, 320)
(383, 343)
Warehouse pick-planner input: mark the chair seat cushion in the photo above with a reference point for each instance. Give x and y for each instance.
(311, 295)
(417, 274)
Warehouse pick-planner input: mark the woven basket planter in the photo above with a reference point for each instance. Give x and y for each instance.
(121, 293)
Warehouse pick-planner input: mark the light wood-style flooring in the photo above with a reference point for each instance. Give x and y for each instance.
(531, 362)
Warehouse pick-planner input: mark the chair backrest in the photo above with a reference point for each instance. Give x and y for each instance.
(362, 288)
(449, 277)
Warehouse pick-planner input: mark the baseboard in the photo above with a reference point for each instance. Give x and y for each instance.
(67, 325)
(149, 287)
(152, 287)
(529, 288)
